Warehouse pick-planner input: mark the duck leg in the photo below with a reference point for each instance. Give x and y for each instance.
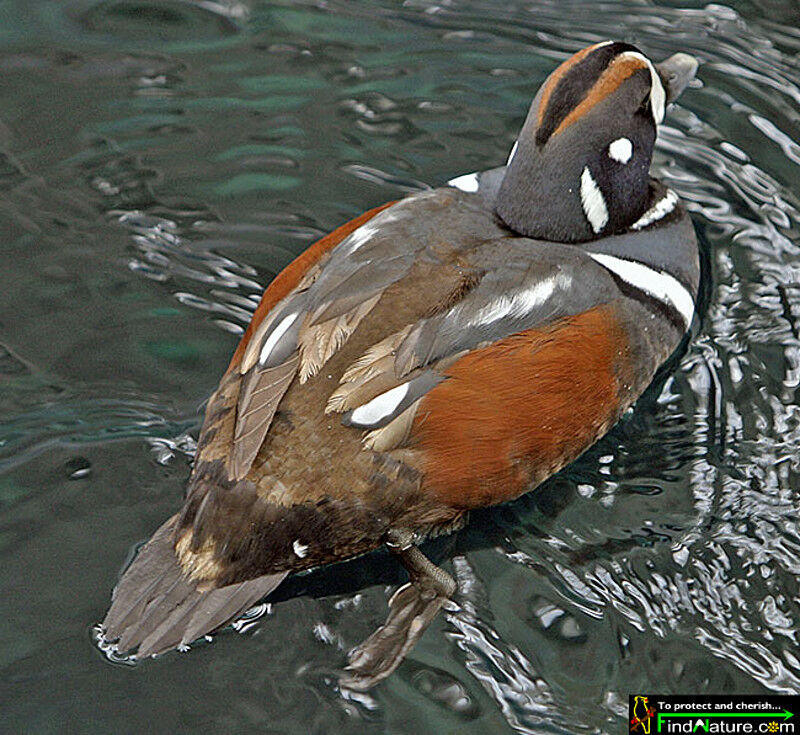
(411, 609)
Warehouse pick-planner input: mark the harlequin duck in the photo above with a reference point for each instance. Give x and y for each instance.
(444, 352)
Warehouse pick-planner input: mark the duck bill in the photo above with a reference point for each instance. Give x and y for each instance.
(676, 72)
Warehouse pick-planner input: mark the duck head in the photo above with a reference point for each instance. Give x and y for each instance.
(580, 167)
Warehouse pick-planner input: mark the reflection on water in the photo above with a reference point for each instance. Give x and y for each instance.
(161, 161)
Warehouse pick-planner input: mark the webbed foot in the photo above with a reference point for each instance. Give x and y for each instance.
(411, 610)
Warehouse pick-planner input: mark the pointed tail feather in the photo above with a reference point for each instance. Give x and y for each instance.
(155, 607)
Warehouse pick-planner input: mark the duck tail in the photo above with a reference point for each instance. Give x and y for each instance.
(155, 607)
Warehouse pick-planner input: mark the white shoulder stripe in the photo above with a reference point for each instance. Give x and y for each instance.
(467, 182)
(516, 304)
(659, 285)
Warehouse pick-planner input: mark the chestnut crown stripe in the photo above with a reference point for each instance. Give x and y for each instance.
(620, 69)
(560, 72)
(581, 83)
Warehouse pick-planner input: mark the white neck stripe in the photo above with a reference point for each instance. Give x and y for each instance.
(661, 286)
(658, 211)
(592, 201)
(513, 151)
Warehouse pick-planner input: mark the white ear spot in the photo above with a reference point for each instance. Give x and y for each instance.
(620, 150)
(594, 206)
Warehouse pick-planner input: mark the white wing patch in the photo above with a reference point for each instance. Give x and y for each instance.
(394, 434)
(467, 183)
(658, 211)
(518, 304)
(661, 286)
(592, 201)
(356, 239)
(275, 337)
(300, 549)
(374, 411)
(620, 150)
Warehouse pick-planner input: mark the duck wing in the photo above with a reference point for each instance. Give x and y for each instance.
(185, 581)
(491, 395)
(465, 365)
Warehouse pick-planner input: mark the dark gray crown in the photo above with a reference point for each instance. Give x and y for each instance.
(581, 166)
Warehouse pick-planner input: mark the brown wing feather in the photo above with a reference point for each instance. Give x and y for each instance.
(294, 275)
(319, 342)
(261, 391)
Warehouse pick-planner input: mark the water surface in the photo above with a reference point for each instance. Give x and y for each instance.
(160, 162)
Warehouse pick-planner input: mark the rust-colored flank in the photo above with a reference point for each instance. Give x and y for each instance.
(514, 412)
(293, 273)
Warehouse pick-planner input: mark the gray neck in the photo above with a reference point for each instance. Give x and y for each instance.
(540, 196)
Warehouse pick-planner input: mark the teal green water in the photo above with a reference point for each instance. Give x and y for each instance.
(161, 161)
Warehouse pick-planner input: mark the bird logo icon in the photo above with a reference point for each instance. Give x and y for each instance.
(642, 713)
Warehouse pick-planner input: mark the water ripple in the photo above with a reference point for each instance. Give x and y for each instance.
(200, 146)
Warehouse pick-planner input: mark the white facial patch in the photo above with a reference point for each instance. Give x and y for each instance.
(658, 97)
(661, 286)
(379, 408)
(620, 150)
(592, 201)
(467, 183)
(275, 337)
(513, 151)
(658, 211)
